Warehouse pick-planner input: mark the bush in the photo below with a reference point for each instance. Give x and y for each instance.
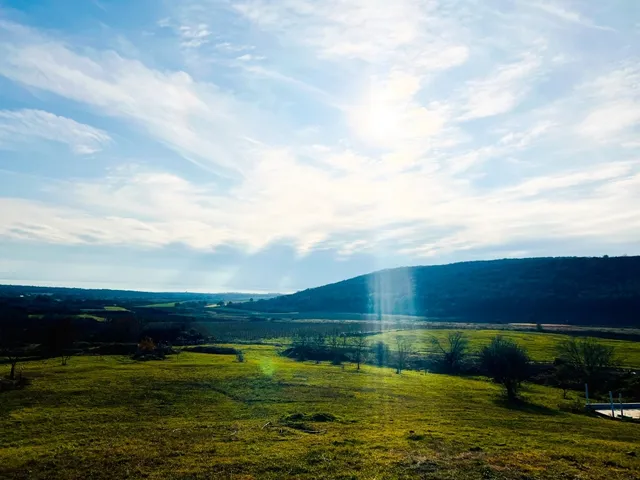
(148, 350)
(587, 360)
(310, 417)
(146, 345)
(215, 350)
(322, 417)
(507, 363)
(452, 352)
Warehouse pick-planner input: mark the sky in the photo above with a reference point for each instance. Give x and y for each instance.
(257, 145)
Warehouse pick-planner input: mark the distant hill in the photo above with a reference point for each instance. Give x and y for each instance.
(128, 295)
(572, 290)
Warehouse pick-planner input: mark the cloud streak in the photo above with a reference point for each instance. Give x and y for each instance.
(195, 119)
(405, 130)
(20, 127)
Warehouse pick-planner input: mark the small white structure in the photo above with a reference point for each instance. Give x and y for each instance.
(613, 410)
(627, 410)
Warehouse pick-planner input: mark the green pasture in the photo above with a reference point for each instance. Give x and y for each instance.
(197, 416)
(162, 305)
(540, 345)
(115, 308)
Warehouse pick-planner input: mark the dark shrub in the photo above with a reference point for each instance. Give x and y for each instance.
(322, 417)
(507, 363)
(215, 350)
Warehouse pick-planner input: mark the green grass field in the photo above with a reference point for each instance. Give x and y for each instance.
(162, 305)
(115, 308)
(540, 345)
(197, 416)
(87, 316)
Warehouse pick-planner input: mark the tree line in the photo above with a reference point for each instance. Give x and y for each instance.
(579, 361)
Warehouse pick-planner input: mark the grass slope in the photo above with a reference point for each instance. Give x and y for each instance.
(206, 416)
(540, 345)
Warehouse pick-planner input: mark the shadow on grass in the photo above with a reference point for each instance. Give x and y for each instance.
(521, 405)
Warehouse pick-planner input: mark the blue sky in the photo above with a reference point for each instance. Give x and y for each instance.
(259, 145)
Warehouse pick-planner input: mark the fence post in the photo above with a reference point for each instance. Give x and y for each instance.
(613, 413)
(621, 407)
(586, 393)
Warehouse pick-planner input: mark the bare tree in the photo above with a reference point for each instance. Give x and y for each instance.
(360, 346)
(301, 342)
(317, 345)
(587, 357)
(507, 363)
(452, 351)
(11, 346)
(60, 340)
(318, 341)
(564, 377)
(334, 347)
(403, 351)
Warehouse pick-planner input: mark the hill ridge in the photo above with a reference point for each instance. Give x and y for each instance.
(579, 290)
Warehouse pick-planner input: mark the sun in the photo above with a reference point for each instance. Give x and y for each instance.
(378, 121)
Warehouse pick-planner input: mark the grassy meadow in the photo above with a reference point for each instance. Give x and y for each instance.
(197, 416)
(540, 345)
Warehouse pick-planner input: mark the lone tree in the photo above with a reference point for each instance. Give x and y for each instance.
(452, 351)
(360, 345)
(587, 357)
(300, 344)
(335, 348)
(564, 377)
(403, 350)
(507, 363)
(11, 343)
(60, 340)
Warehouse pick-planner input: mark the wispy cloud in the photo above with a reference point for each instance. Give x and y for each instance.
(18, 128)
(400, 129)
(615, 105)
(194, 36)
(502, 90)
(195, 119)
(563, 13)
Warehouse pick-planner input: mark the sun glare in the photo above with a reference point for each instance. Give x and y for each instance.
(378, 120)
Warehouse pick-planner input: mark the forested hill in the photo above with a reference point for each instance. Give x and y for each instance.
(567, 290)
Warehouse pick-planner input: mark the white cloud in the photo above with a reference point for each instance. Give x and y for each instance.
(503, 90)
(195, 119)
(287, 201)
(388, 115)
(388, 160)
(192, 33)
(610, 119)
(230, 47)
(607, 171)
(364, 29)
(614, 99)
(248, 57)
(194, 36)
(567, 15)
(20, 127)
